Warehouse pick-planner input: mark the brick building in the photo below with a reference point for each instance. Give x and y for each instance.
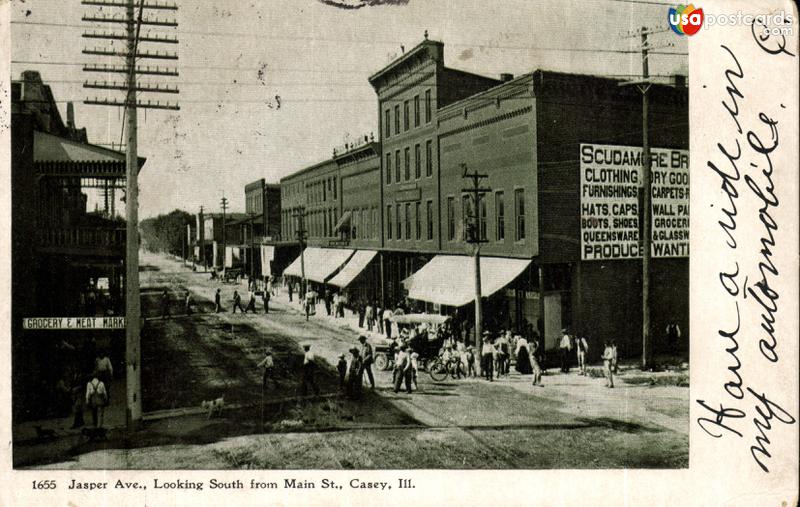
(560, 222)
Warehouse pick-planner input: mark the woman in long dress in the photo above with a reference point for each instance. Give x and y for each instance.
(523, 356)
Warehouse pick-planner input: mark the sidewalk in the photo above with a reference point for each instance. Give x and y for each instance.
(114, 418)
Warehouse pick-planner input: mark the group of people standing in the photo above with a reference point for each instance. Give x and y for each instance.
(354, 366)
(496, 355)
(580, 345)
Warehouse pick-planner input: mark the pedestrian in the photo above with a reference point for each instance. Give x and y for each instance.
(608, 364)
(387, 321)
(378, 318)
(614, 363)
(290, 289)
(251, 303)
(268, 287)
(354, 374)
(362, 312)
(505, 353)
(104, 371)
(414, 369)
(523, 354)
(403, 370)
(165, 305)
(471, 362)
(582, 348)
(497, 357)
(369, 315)
(673, 335)
(367, 357)
(535, 366)
(328, 302)
(309, 367)
(487, 356)
(78, 401)
(341, 367)
(565, 347)
(237, 302)
(336, 299)
(187, 303)
(217, 302)
(265, 297)
(268, 364)
(96, 400)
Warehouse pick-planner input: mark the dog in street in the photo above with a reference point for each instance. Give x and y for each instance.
(213, 407)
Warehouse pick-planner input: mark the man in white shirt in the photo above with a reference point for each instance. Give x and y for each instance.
(403, 370)
(308, 371)
(387, 322)
(565, 347)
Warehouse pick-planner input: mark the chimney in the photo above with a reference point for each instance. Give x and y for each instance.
(505, 77)
(70, 115)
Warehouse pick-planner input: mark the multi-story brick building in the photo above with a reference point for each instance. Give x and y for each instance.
(560, 222)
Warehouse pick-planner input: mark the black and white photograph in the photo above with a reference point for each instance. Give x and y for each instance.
(350, 234)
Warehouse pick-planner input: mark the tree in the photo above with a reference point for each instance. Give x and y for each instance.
(165, 233)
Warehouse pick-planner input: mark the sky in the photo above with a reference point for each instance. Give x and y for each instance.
(269, 87)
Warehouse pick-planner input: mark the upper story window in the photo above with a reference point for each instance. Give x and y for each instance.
(500, 216)
(407, 162)
(389, 222)
(451, 219)
(428, 158)
(397, 166)
(519, 211)
(387, 124)
(405, 115)
(397, 119)
(428, 106)
(416, 110)
(418, 219)
(388, 168)
(429, 217)
(417, 161)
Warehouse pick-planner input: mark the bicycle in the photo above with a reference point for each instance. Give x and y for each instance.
(440, 369)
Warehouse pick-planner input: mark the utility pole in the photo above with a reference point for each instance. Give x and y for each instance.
(474, 237)
(299, 214)
(643, 85)
(133, 23)
(224, 205)
(201, 232)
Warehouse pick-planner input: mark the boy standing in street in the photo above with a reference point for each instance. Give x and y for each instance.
(608, 364)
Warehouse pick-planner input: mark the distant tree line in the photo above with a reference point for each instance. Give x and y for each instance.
(165, 233)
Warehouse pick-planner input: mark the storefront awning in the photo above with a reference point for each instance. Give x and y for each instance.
(354, 266)
(344, 221)
(450, 279)
(320, 263)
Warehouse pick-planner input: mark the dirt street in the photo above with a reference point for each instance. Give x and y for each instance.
(571, 422)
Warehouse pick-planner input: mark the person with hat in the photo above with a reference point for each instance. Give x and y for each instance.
(402, 368)
(565, 347)
(354, 374)
(367, 358)
(309, 366)
(487, 356)
(269, 369)
(341, 367)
